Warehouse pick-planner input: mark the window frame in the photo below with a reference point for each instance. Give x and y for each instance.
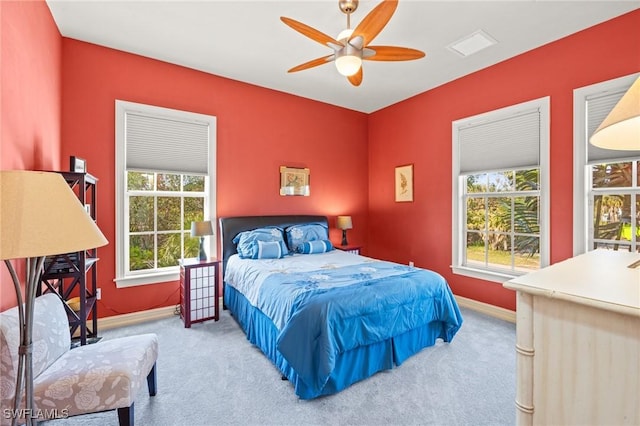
(582, 179)
(459, 189)
(126, 278)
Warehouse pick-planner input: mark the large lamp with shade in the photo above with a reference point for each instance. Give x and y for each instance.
(621, 128)
(39, 216)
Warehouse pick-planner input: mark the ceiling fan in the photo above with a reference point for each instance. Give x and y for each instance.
(352, 45)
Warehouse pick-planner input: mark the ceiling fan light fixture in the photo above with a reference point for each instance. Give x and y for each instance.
(349, 58)
(348, 65)
(345, 34)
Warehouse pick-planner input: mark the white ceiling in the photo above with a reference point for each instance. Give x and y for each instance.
(246, 41)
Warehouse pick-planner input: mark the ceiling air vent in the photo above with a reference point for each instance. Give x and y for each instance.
(472, 43)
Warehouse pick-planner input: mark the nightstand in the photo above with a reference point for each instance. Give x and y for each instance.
(198, 290)
(349, 248)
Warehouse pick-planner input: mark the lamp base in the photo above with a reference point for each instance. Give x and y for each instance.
(344, 237)
(24, 378)
(203, 254)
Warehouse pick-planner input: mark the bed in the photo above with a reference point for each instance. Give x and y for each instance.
(328, 319)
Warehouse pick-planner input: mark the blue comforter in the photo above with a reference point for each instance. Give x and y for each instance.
(324, 313)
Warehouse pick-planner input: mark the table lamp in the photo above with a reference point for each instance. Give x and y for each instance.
(39, 216)
(201, 229)
(344, 223)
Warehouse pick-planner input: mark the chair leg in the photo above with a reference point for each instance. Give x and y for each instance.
(125, 416)
(152, 381)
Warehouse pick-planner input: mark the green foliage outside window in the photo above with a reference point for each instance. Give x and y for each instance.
(503, 225)
(161, 209)
(614, 191)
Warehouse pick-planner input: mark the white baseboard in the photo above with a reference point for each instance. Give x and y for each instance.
(135, 317)
(487, 309)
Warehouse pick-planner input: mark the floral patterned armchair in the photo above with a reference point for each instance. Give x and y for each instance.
(97, 377)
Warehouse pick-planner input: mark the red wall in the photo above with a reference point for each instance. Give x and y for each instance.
(352, 160)
(419, 129)
(30, 91)
(258, 130)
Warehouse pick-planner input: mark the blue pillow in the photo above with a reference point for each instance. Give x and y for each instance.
(248, 249)
(298, 234)
(269, 249)
(316, 246)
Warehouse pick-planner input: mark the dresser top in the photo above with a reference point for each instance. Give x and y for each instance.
(600, 278)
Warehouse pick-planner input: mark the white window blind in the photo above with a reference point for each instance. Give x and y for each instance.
(157, 143)
(598, 107)
(510, 142)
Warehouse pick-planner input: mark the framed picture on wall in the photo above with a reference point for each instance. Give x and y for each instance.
(77, 164)
(294, 181)
(404, 183)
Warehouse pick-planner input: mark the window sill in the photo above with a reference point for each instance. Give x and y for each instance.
(483, 274)
(145, 279)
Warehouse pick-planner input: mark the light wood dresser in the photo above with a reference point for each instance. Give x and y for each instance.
(578, 341)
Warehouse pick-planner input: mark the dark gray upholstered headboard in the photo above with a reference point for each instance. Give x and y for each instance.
(231, 226)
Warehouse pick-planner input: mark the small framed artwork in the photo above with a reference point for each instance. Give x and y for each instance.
(78, 165)
(294, 181)
(404, 183)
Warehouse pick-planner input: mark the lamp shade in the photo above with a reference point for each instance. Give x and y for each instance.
(200, 229)
(40, 216)
(344, 222)
(621, 129)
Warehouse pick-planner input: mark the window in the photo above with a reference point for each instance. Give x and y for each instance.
(165, 179)
(500, 192)
(606, 182)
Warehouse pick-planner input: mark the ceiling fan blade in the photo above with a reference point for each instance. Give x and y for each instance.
(310, 32)
(313, 63)
(375, 21)
(356, 79)
(393, 53)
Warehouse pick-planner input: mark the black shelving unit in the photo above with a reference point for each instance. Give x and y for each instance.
(75, 274)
